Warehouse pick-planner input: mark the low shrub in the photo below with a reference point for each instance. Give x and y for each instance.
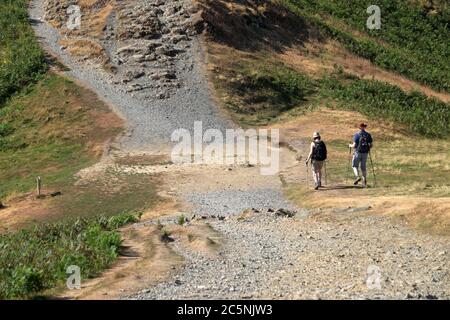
(37, 259)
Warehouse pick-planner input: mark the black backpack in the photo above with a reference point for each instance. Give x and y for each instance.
(320, 151)
(364, 142)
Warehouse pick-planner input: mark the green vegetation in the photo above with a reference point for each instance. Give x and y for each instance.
(22, 62)
(259, 90)
(276, 84)
(412, 41)
(165, 236)
(403, 166)
(425, 116)
(108, 194)
(48, 130)
(37, 259)
(181, 220)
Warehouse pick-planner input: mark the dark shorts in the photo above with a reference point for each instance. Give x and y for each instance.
(317, 165)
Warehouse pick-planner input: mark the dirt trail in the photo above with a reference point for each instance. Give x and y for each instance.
(260, 253)
(349, 251)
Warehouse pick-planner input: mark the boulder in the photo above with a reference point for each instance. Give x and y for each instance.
(285, 213)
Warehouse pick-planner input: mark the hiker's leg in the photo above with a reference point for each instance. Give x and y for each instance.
(319, 172)
(314, 171)
(364, 166)
(355, 163)
(314, 176)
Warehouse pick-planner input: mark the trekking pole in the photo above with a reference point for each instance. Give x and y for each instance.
(373, 170)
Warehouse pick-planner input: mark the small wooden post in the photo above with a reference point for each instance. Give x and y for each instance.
(39, 186)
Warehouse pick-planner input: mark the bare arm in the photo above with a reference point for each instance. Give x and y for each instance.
(353, 144)
(310, 152)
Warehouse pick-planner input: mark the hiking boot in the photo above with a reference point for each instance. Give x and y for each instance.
(364, 182)
(316, 187)
(357, 181)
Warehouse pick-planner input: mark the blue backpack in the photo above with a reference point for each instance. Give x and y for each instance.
(364, 142)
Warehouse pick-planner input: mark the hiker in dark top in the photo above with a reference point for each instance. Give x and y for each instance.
(317, 155)
(362, 143)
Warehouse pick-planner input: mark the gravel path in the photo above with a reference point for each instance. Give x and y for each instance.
(229, 202)
(150, 121)
(269, 257)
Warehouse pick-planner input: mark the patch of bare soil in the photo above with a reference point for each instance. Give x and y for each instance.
(147, 258)
(141, 252)
(23, 211)
(143, 160)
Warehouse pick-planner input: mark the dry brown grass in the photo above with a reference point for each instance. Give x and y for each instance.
(409, 197)
(95, 25)
(87, 4)
(395, 148)
(85, 49)
(429, 215)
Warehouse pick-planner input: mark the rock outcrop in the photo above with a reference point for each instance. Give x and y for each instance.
(143, 43)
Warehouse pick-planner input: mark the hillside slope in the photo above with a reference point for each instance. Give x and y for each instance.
(144, 61)
(272, 64)
(271, 67)
(50, 126)
(226, 231)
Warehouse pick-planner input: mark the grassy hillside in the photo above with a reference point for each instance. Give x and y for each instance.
(413, 39)
(22, 62)
(421, 115)
(280, 76)
(52, 130)
(52, 127)
(257, 87)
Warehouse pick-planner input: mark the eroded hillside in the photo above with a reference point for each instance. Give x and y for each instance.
(136, 42)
